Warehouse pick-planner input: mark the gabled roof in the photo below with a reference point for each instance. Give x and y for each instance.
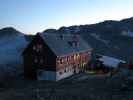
(60, 43)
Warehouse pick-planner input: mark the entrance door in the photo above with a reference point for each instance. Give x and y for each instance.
(74, 69)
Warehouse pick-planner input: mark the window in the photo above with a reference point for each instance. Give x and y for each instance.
(65, 70)
(88, 52)
(60, 73)
(58, 61)
(72, 57)
(34, 47)
(61, 61)
(41, 61)
(37, 47)
(75, 56)
(35, 60)
(67, 58)
(40, 73)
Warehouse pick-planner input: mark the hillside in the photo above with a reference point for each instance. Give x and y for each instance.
(113, 38)
(12, 43)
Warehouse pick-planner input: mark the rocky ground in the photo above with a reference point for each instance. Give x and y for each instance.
(78, 87)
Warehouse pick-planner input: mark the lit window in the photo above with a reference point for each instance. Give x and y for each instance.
(67, 59)
(78, 56)
(75, 56)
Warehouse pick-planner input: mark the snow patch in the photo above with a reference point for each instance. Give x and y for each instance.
(67, 30)
(77, 29)
(110, 61)
(46, 75)
(127, 33)
(98, 37)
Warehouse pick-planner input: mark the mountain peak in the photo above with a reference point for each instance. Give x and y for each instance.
(9, 31)
(50, 31)
(128, 19)
(8, 28)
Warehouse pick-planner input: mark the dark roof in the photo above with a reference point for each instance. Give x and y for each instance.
(60, 44)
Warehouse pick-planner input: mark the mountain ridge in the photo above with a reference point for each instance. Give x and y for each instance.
(105, 37)
(9, 31)
(110, 37)
(12, 43)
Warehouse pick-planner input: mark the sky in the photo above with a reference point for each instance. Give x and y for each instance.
(31, 16)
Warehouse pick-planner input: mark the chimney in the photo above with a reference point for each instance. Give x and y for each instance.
(76, 43)
(75, 40)
(61, 36)
(73, 43)
(75, 36)
(70, 43)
